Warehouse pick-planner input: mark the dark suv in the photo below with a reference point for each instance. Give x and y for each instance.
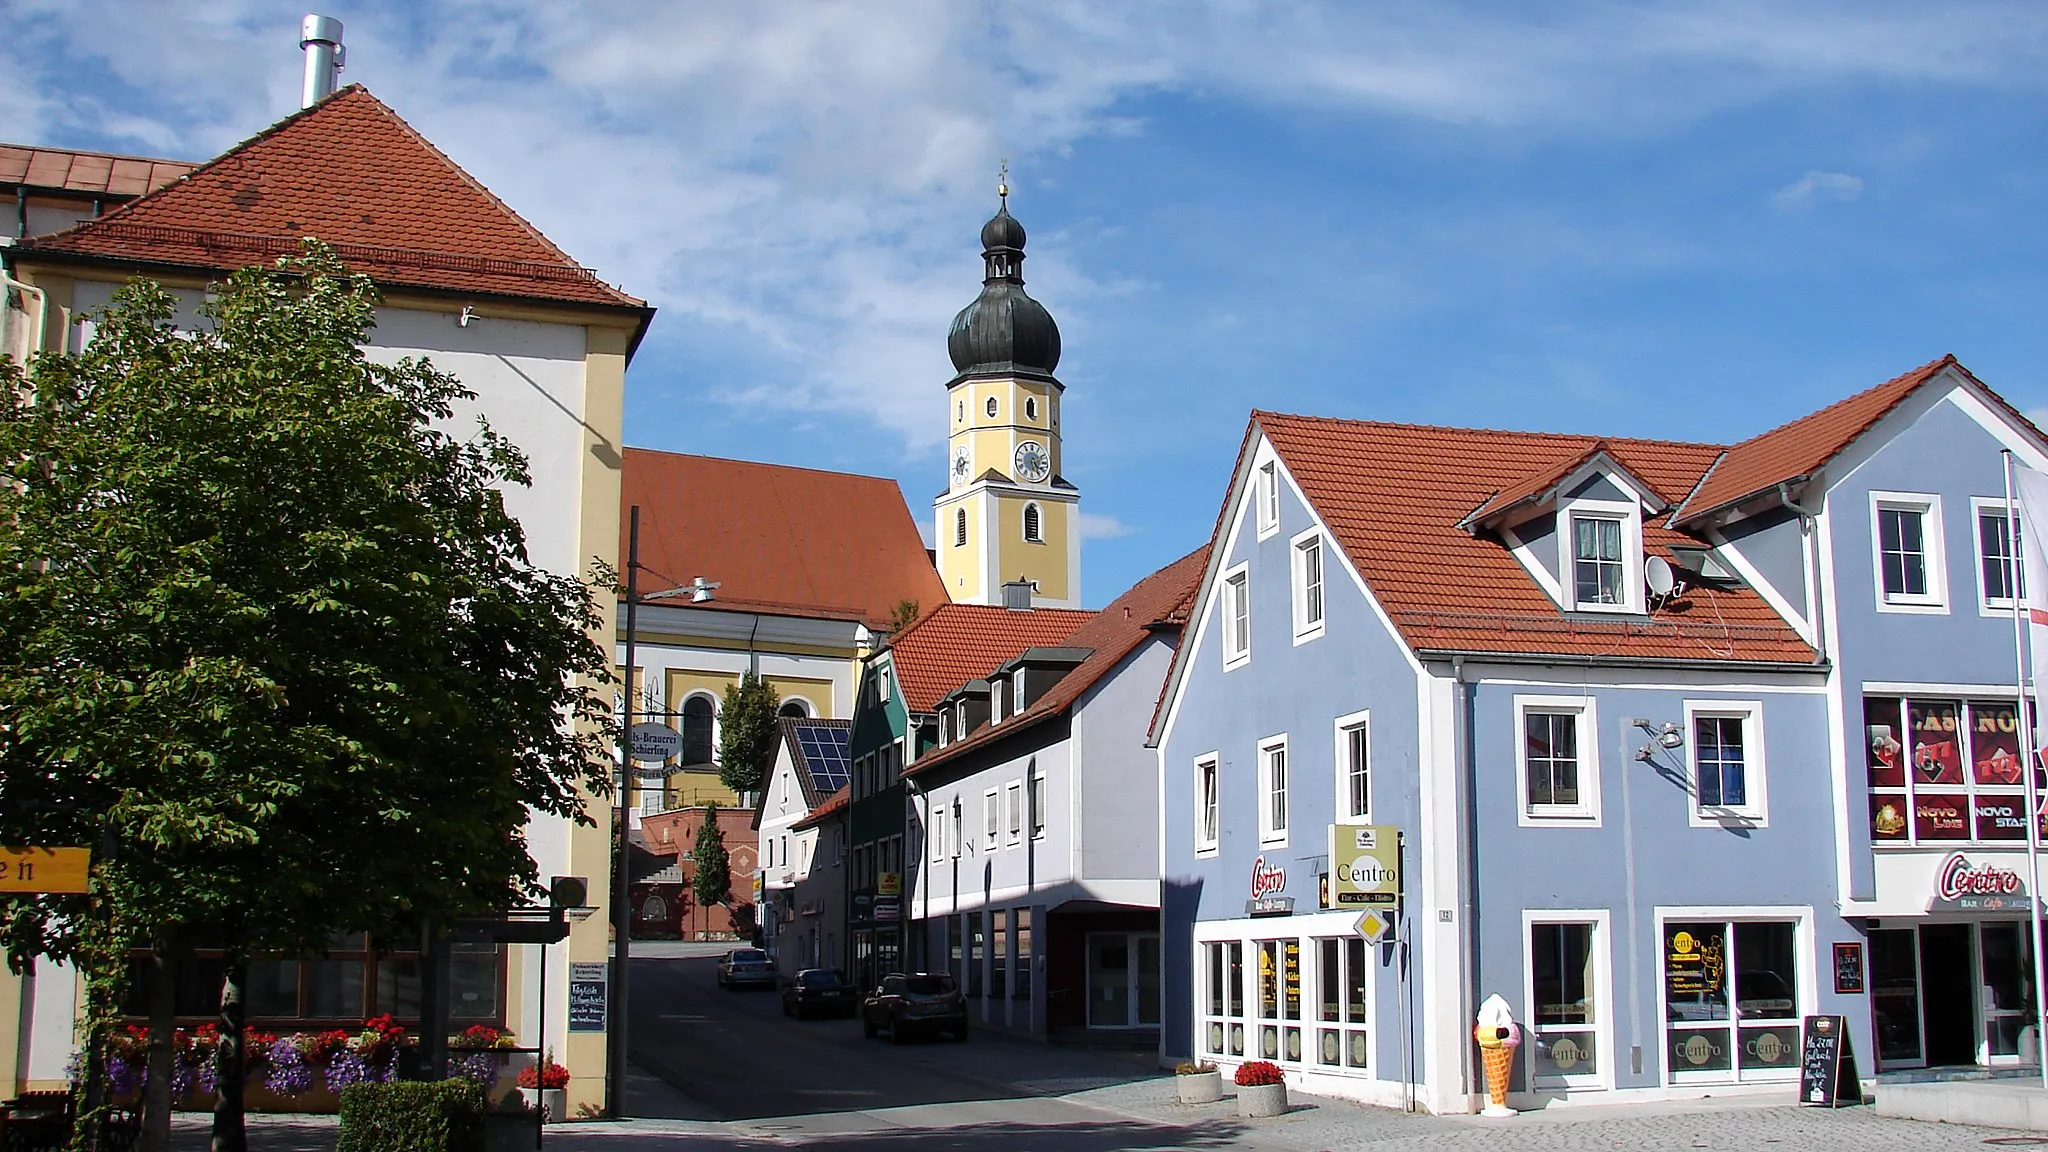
(927, 1002)
(819, 990)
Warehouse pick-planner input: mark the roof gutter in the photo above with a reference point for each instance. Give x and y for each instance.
(1477, 656)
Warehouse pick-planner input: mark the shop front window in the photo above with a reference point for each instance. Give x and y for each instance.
(1343, 1038)
(351, 982)
(1269, 998)
(2008, 963)
(1943, 770)
(1732, 1000)
(1566, 1016)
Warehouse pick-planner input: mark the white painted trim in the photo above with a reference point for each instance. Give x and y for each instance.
(1266, 492)
(1902, 688)
(1603, 992)
(1335, 548)
(1755, 813)
(1227, 606)
(1297, 583)
(1987, 605)
(1840, 787)
(1342, 768)
(1204, 848)
(1802, 948)
(1934, 553)
(2001, 428)
(1663, 680)
(1526, 555)
(1438, 928)
(1800, 621)
(1585, 814)
(1630, 516)
(1269, 835)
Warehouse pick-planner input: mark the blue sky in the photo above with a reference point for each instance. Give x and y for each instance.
(1686, 220)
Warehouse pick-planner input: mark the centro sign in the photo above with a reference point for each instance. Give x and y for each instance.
(1365, 865)
(1963, 886)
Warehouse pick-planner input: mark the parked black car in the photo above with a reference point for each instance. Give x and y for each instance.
(817, 991)
(746, 968)
(928, 1002)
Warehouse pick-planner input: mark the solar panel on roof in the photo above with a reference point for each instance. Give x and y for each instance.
(825, 747)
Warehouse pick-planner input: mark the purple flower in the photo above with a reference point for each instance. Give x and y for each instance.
(124, 1076)
(289, 1073)
(481, 1067)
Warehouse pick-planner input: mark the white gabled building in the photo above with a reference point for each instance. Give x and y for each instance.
(810, 765)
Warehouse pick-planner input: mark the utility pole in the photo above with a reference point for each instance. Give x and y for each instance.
(622, 881)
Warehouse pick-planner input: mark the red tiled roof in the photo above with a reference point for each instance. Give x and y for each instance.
(960, 642)
(350, 172)
(1394, 495)
(778, 540)
(1799, 449)
(1553, 475)
(1161, 600)
(86, 173)
(833, 805)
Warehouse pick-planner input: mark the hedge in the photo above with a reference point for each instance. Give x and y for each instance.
(412, 1116)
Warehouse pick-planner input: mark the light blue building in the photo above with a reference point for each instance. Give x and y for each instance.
(1613, 694)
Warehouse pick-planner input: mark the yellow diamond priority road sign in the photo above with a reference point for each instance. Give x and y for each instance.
(1376, 926)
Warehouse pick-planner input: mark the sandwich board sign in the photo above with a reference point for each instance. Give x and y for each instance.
(1827, 1063)
(44, 870)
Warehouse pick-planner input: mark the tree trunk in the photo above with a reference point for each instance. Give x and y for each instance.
(230, 1059)
(163, 1009)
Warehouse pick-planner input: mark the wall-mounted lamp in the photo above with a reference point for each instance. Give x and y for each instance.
(1667, 736)
(463, 318)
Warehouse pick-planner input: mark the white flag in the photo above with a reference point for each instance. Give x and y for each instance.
(2030, 492)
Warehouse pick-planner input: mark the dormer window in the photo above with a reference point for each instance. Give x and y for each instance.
(1602, 546)
(945, 730)
(998, 694)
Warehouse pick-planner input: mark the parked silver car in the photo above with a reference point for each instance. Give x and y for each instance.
(746, 968)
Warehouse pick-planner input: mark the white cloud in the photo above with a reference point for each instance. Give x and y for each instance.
(806, 179)
(1802, 193)
(1095, 526)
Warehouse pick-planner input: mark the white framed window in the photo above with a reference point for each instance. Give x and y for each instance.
(1036, 799)
(1034, 533)
(998, 699)
(1273, 791)
(1558, 759)
(1207, 813)
(991, 818)
(1236, 616)
(938, 832)
(960, 528)
(1997, 540)
(1725, 751)
(1907, 547)
(1268, 498)
(1600, 555)
(1344, 968)
(1568, 986)
(991, 409)
(1306, 554)
(1736, 984)
(1354, 766)
(1013, 810)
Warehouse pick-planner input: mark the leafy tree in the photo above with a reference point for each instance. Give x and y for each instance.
(712, 884)
(746, 734)
(268, 633)
(902, 616)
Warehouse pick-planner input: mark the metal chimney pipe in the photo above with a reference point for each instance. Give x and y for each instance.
(320, 37)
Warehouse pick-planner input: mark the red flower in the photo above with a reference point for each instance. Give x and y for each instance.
(550, 1075)
(1259, 1072)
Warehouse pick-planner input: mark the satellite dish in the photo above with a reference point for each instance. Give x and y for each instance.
(1657, 575)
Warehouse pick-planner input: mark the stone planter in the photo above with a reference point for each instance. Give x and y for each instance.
(1199, 1087)
(1255, 1100)
(554, 1100)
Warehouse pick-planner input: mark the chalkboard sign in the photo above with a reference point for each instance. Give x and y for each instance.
(1848, 967)
(586, 1005)
(1827, 1063)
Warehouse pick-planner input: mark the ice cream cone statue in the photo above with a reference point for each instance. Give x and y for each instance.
(1498, 1036)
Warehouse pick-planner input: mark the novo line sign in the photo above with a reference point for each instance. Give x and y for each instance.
(44, 870)
(1365, 865)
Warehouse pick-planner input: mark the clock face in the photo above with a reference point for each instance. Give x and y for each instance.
(1033, 462)
(960, 464)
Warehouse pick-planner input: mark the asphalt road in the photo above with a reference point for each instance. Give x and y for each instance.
(733, 1055)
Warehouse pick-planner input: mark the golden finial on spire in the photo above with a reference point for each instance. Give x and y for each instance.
(1003, 181)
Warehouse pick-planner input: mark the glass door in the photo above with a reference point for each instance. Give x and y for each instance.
(1147, 977)
(1895, 996)
(1109, 980)
(2008, 963)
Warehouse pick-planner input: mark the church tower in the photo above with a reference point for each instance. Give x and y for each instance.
(1007, 513)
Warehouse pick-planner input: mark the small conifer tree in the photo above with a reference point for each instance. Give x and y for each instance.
(713, 882)
(746, 737)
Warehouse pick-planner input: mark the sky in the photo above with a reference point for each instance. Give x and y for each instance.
(1685, 220)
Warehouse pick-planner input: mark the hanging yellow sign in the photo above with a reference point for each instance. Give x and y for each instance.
(44, 870)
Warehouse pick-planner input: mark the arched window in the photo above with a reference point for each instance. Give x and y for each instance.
(960, 528)
(795, 707)
(698, 714)
(991, 407)
(1032, 531)
(963, 410)
(1031, 407)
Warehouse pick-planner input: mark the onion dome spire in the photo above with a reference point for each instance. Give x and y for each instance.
(1004, 332)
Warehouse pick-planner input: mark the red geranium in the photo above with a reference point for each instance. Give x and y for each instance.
(549, 1075)
(1259, 1072)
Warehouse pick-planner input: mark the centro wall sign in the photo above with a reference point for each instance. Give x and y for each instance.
(1963, 886)
(1267, 881)
(1365, 865)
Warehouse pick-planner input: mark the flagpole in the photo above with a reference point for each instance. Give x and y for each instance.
(2024, 721)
